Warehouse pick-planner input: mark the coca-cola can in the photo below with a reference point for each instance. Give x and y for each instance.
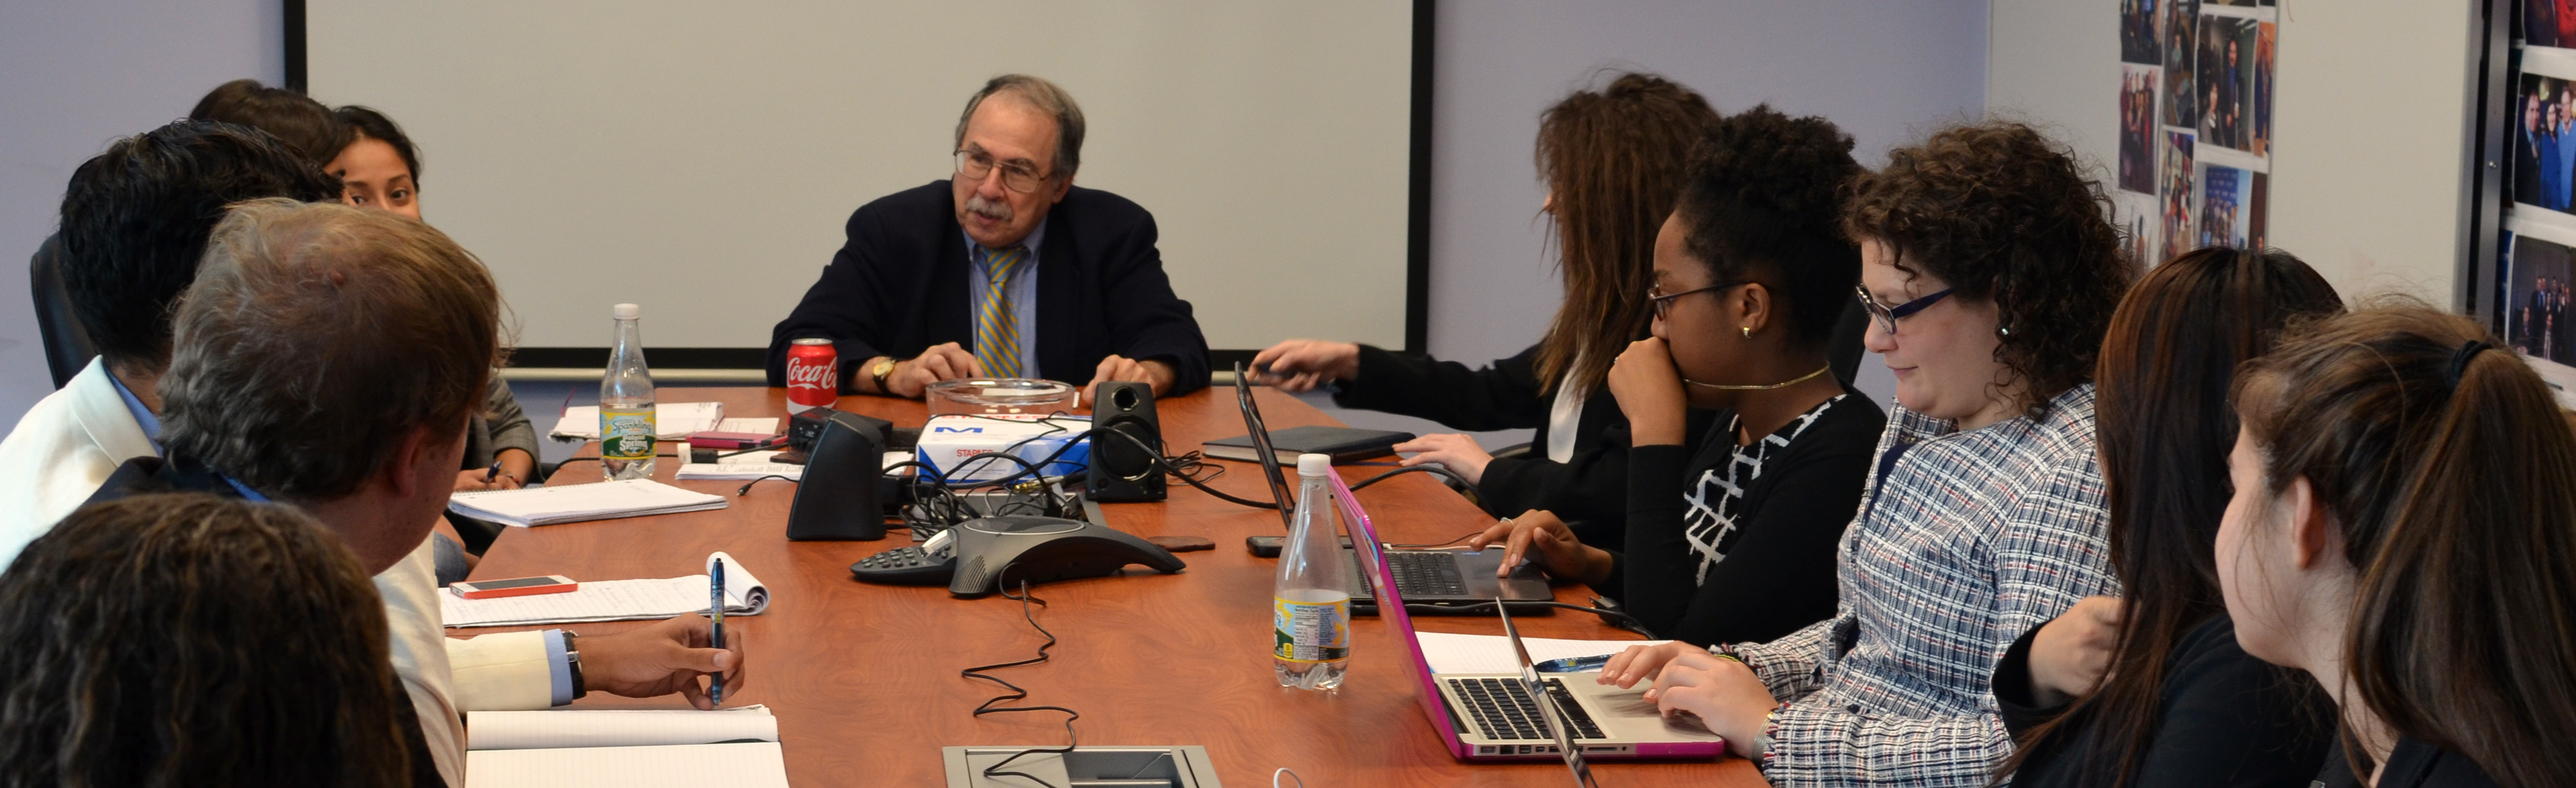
(813, 375)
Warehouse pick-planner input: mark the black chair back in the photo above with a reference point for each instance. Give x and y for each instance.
(67, 346)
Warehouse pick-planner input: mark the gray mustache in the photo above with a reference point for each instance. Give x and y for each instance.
(996, 211)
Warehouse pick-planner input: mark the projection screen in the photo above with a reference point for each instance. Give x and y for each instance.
(701, 158)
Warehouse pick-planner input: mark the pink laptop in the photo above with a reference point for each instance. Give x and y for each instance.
(1493, 716)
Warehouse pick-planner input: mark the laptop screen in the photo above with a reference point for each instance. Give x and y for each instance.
(1280, 493)
(1557, 725)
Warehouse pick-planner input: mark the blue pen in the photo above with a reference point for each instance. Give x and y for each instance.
(1573, 664)
(494, 473)
(715, 611)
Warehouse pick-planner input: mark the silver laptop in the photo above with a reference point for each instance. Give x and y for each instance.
(1500, 717)
(1452, 578)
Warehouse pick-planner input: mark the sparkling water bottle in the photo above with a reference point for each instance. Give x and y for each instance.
(626, 427)
(1311, 610)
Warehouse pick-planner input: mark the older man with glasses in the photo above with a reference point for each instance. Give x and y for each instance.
(1005, 270)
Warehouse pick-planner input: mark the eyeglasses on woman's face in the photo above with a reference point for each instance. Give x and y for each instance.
(1663, 301)
(1888, 315)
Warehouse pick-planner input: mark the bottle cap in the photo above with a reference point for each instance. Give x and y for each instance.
(1314, 464)
(627, 311)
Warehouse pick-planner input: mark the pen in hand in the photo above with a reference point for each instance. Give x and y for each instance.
(494, 473)
(715, 613)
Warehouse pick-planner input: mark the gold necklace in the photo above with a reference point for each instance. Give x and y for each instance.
(1801, 379)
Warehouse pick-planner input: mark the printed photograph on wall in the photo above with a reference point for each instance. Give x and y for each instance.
(2225, 195)
(2138, 129)
(2544, 146)
(2138, 43)
(2548, 23)
(2265, 37)
(2537, 299)
(2175, 192)
(2182, 18)
(2135, 215)
(2225, 86)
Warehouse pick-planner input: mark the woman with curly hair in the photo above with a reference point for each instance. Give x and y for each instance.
(1991, 273)
(1751, 272)
(185, 639)
(1613, 160)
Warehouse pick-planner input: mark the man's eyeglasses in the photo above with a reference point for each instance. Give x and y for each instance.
(976, 165)
(1663, 301)
(1887, 315)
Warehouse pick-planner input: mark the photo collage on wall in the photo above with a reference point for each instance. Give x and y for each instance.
(2195, 165)
(2539, 247)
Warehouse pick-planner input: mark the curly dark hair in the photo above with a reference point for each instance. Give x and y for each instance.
(185, 639)
(2004, 215)
(1764, 204)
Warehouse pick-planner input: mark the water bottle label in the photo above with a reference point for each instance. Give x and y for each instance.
(626, 435)
(1311, 632)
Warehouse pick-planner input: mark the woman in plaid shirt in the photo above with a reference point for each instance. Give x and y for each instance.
(1991, 275)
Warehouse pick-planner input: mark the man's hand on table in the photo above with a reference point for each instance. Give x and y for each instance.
(1123, 368)
(943, 361)
(661, 659)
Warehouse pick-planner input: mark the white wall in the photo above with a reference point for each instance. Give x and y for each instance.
(2369, 134)
(75, 76)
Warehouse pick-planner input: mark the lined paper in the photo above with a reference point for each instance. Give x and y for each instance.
(744, 765)
(536, 730)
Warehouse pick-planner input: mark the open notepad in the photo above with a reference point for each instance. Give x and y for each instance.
(624, 749)
(671, 420)
(611, 600)
(754, 465)
(572, 503)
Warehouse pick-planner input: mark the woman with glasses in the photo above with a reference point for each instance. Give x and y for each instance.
(1731, 532)
(1991, 275)
(1613, 160)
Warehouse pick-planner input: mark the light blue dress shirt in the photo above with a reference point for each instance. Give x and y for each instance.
(1022, 287)
(143, 416)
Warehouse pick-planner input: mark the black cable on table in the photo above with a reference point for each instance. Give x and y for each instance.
(1016, 691)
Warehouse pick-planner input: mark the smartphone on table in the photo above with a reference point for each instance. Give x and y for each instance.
(516, 586)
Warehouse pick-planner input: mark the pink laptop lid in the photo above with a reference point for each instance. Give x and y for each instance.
(1390, 608)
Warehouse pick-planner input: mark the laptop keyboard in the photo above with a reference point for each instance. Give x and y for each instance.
(1500, 710)
(1426, 574)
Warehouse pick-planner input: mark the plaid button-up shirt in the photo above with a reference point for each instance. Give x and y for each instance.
(1964, 541)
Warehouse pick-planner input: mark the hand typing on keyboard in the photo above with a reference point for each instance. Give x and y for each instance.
(1538, 537)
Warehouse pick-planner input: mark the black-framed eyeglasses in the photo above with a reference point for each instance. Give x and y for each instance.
(1887, 315)
(1663, 301)
(976, 165)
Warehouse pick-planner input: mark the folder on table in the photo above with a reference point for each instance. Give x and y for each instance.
(671, 421)
(572, 503)
(1344, 443)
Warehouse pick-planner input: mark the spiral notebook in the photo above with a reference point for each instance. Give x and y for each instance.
(612, 600)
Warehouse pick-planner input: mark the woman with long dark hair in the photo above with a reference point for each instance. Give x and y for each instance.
(1751, 274)
(2404, 531)
(1614, 160)
(2177, 702)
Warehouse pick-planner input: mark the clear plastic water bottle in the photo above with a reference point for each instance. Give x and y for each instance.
(626, 427)
(1311, 610)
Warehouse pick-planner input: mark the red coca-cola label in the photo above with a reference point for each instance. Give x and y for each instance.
(813, 375)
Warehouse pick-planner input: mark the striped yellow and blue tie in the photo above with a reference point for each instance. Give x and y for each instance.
(997, 333)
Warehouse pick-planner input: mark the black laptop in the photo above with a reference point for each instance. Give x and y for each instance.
(1435, 578)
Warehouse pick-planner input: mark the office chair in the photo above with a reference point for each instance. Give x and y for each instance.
(67, 345)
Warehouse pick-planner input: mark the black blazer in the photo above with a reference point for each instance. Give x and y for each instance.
(899, 286)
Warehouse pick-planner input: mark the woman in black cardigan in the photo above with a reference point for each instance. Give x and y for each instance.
(1613, 161)
(2183, 705)
(1734, 539)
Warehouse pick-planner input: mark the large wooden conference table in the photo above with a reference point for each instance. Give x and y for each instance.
(864, 678)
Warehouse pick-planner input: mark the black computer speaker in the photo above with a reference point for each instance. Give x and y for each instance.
(838, 498)
(1121, 469)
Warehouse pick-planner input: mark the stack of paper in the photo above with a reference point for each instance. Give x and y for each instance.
(572, 503)
(629, 749)
(671, 420)
(611, 600)
(1465, 654)
(748, 466)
